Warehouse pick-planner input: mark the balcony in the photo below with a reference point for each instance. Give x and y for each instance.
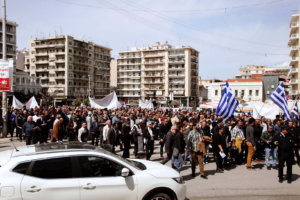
(41, 69)
(154, 69)
(294, 70)
(294, 25)
(129, 63)
(130, 89)
(153, 55)
(148, 82)
(176, 68)
(129, 70)
(130, 76)
(130, 57)
(176, 75)
(154, 62)
(41, 54)
(153, 75)
(129, 95)
(294, 59)
(128, 83)
(294, 81)
(293, 92)
(60, 61)
(41, 62)
(49, 45)
(177, 61)
(295, 36)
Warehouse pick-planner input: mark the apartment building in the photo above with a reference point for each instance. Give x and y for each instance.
(157, 72)
(11, 38)
(253, 71)
(69, 68)
(294, 54)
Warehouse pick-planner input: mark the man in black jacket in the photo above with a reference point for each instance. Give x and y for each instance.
(163, 130)
(285, 143)
(149, 136)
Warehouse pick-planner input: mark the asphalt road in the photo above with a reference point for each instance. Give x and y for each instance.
(237, 183)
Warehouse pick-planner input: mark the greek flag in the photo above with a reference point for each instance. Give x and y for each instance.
(278, 97)
(227, 104)
(295, 111)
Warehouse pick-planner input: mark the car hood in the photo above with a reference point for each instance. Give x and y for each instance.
(5, 157)
(158, 170)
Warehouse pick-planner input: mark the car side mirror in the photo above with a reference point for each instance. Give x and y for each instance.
(125, 172)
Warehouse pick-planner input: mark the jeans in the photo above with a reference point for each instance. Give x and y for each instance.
(271, 152)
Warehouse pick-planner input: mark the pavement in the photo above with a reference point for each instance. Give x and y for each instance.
(237, 183)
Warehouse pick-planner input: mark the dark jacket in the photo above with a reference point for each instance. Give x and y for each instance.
(250, 134)
(285, 145)
(28, 128)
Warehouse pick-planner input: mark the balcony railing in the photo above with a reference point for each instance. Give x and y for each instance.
(294, 24)
(294, 36)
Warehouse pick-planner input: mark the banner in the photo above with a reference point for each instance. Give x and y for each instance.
(6, 74)
(32, 103)
(146, 104)
(16, 103)
(266, 112)
(110, 102)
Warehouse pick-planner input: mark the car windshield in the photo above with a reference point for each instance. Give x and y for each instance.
(133, 163)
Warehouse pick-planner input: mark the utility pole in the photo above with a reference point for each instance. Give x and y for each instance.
(89, 85)
(4, 94)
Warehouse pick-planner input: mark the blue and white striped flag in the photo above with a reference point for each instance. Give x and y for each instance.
(227, 104)
(278, 97)
(295, 111)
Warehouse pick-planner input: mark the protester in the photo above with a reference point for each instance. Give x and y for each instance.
(250, 142)
(285, 143)
(28, 130)
(270, 149)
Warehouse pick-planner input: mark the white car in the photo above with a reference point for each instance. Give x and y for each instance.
(83, 172)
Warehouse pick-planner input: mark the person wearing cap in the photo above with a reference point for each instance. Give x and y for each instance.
(285, 143)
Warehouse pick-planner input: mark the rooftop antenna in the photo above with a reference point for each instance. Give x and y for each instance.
(11, 140)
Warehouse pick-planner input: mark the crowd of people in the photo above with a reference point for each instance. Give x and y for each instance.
(183, 135)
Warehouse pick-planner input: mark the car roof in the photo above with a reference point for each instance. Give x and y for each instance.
(53, 148)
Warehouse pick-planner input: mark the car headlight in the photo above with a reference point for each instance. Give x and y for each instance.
(179, 180)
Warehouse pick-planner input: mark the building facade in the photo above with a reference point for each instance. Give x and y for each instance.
(294, 55)
(253, 71)
(158, 72)
(248, 90)
(21, 81)
(69, 68)
(11, 39)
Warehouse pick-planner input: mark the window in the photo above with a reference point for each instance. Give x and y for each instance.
(256, 92)
(91, 166)
(52, 168)
(250, 92)
(236, 93)
(21, 168)
(216, 92)
(242, 93)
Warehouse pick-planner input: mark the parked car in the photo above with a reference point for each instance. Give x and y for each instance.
(79, 171)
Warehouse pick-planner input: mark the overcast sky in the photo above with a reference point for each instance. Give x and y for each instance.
(227, 33)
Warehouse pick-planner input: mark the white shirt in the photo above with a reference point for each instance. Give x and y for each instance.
(150, 132)
(80, 132)
(105, 132)
(88, 122)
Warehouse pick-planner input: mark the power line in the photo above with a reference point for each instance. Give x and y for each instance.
(157, 14)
